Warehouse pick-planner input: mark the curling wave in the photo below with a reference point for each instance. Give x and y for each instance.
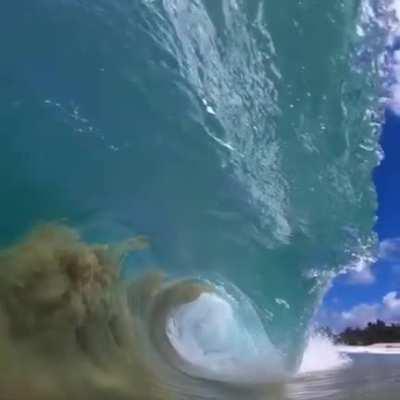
(239, 136)
(63, 306)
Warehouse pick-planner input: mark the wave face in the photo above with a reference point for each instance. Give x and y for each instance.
(238, 136)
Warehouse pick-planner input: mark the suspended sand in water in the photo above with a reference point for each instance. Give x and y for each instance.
(70, 328)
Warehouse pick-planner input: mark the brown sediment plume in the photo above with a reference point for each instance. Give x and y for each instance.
(71, 329)
(65, 327)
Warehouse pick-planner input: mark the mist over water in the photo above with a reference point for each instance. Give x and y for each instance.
(236, 138)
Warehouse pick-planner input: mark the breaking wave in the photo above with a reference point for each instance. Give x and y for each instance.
(239, 137)
(321, 354)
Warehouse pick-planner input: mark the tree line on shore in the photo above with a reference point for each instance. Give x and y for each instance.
(374, 332)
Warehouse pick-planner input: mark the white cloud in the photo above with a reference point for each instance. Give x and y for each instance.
(364, 276)
(360, 315)
(389, 250)
(391, 307)
(361, 271)
(396, 6)
(391, 301)
(387, 310)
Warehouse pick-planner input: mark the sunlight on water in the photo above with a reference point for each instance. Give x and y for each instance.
(238, 137)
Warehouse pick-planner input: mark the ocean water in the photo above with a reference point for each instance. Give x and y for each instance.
(363, 376)
(181, 180)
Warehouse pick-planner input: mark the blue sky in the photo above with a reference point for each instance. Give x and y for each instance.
(359, 297)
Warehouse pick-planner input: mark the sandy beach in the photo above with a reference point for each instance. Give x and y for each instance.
(377, 348)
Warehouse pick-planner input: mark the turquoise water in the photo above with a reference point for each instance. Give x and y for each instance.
(239, 137)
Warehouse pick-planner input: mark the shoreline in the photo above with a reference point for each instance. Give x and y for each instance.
(376, 348)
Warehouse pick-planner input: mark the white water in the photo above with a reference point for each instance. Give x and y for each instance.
(223, 339)
(322, 354)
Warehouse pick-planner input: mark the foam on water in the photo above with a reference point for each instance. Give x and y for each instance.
(211, 334)
(321, 354)
(238, 136)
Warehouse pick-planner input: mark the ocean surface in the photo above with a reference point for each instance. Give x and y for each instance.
(180, 182)
(365, 376)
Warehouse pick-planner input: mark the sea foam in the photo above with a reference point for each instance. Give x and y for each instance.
(322, 354)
